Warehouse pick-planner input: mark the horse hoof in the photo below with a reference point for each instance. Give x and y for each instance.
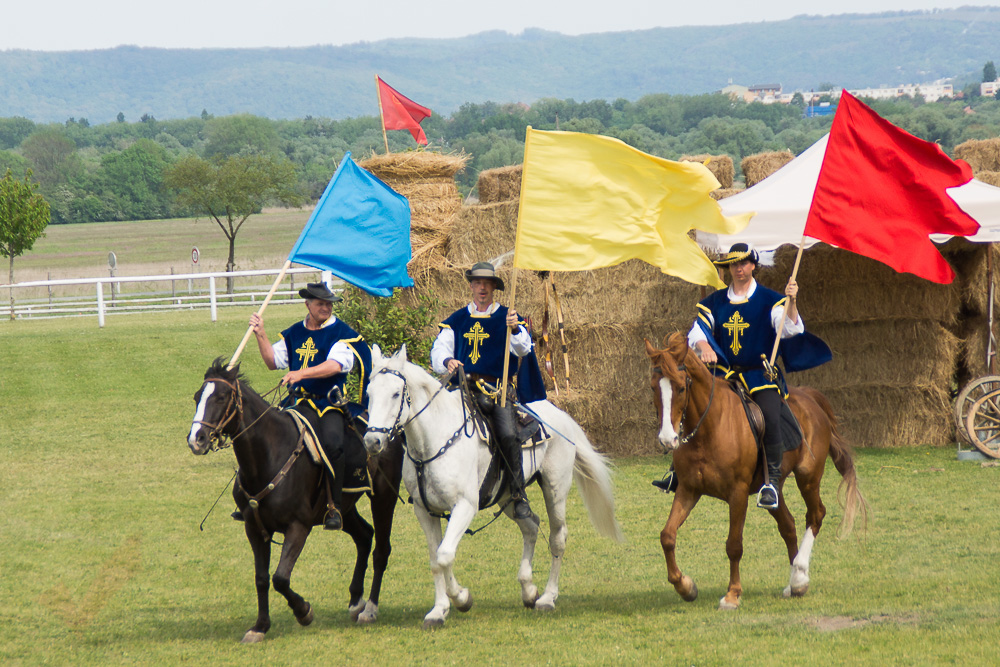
(306, 618)
(464, 606)
(725, 605)
(369, 615)
(433, 623)
(545, 605)
(355, 610)
(799, 591)
(252, 637)
(692, 593)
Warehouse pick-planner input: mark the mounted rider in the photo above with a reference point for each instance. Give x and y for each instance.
(474, 337)
(735, 330)
(319, 352)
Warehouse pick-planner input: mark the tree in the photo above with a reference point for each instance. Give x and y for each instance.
(231, 189)
(989, 71)
(24, 215)
(241, 133)
(132, 181)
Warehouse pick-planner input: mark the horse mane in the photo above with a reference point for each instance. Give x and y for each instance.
(220, 369)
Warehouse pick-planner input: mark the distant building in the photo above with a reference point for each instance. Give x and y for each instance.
(931, 92)
(989, 88)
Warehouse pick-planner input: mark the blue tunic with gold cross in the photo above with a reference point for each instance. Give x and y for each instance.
(742, 331)
(310, 347)
(479, 345)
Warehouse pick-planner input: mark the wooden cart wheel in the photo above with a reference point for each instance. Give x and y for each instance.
(971, 393)
(983, 424)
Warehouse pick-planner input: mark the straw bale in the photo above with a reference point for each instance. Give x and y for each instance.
(482, 232)
(975, 335)
(625, 426)
(758, 167)
(721, 167)
(989, 177)
(837, 286)
(498, 185)
(890, 353)
(981, 154)
(878, 416)
(427, 180)
(722, 193)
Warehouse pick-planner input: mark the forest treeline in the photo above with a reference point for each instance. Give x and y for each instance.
(115, 171)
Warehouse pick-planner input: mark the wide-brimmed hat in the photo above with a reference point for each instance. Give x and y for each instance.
(318, 291)
(484, 270)
(738, 253)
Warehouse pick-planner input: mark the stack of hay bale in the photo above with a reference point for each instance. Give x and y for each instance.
(757, 167)
(983, 155)
(894, 352)
(427, 180)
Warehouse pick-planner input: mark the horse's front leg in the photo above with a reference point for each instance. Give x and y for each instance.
(295, 540)
(734, 549)
(262, 582)
(432, 531)
(684, 502)
(462, 515)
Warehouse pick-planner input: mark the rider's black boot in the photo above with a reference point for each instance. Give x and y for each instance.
(768, 496)
(237, 515)
(669, 482)
(334, 520)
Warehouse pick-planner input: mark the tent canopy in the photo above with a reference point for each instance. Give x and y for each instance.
(781, 204)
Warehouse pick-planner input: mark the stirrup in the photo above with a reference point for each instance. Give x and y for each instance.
(767, 503)
(333, 520)
(668, 484)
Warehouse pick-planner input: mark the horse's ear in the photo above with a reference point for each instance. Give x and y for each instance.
(376, 354)
(650, 350)
(402, 352)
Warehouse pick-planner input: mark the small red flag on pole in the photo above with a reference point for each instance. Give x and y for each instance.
(881, 193)
(400, 112)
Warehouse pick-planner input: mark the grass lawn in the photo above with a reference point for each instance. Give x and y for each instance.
(103, 561)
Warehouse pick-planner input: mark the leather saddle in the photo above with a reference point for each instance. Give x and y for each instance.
(753, 412)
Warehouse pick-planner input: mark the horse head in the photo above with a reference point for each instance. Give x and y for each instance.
(388, 399)
(670, 384)
(219, 406)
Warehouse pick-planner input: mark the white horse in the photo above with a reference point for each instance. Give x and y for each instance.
(453, 465)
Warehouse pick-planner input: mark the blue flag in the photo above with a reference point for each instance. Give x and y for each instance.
(359, 231)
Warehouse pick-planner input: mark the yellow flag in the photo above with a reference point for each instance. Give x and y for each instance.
(589, 201)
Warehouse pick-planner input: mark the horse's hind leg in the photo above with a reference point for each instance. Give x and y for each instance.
(683, 503)
(261, 563)
(383, 509)
(798, 580)
(295, 540)
(361, 532)
(555, 508)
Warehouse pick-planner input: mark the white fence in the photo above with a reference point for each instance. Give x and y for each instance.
(138, 294)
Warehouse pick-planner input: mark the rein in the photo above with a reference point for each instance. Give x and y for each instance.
(684, 439)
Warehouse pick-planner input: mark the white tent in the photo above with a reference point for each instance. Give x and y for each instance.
(782, 200)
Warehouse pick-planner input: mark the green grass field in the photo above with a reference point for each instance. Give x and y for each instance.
(103, 561)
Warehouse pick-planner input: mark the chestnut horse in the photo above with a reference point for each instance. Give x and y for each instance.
(716, 455)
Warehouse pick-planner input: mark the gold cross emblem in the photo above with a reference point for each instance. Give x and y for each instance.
(475, 336)
(736, 325)
(308, 352)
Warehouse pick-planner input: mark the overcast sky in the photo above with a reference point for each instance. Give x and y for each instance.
(65, 25)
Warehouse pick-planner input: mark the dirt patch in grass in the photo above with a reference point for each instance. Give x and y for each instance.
(836, 623)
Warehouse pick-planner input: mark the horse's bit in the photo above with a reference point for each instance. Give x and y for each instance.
(234, 408)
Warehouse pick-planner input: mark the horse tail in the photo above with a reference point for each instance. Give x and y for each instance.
(848, 493)
(593, 478)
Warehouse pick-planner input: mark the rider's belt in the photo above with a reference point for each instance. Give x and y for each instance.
(489, 379)
(744, 369)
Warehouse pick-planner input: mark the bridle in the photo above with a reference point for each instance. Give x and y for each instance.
(234, 409)
(392, 432)
(684, 439)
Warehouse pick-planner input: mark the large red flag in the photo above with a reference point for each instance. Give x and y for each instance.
(401, 113)
(881, 194)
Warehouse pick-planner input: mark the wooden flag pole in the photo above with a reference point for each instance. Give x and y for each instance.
(784, 314)
(381, 114)
(562, 331)
(260, 311)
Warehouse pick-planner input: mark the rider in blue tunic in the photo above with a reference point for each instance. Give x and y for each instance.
(736, 329)
(319, 352)
(474, 337)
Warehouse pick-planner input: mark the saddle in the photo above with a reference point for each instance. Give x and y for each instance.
(791, 432)
(358, 477)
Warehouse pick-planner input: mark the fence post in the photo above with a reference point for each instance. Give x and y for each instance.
(49, 277)
(100, 305)
(211, 297)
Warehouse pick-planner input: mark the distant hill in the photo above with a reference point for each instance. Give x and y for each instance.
(850, 50)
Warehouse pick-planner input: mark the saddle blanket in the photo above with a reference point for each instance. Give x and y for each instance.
(358, 477)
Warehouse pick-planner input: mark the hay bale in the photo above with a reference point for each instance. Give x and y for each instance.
(758, 167)
(981, 154)
(721, 167)
(989, 177)
(482, 232)
(722, 193)
(877, 416)
(498, 185)
(427, 180)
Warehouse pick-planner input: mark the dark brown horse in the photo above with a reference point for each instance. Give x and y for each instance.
(718, 457)
(287, 492)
